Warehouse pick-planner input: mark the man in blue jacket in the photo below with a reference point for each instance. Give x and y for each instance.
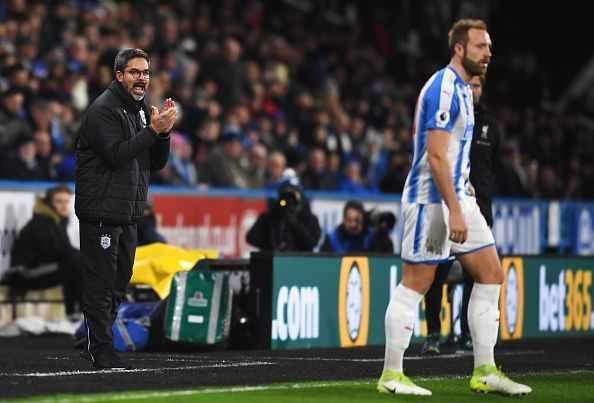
(361, 231)
(121, 140)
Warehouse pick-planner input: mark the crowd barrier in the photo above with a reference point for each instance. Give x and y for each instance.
(326, 300)
(340, 301)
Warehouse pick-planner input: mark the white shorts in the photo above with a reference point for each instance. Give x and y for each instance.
(426, 232)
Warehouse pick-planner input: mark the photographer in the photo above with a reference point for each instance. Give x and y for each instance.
(361, 231)
(288, 224)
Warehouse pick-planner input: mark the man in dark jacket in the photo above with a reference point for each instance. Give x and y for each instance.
(361, 231)
(20, 163)
(42, 255)
(288, 223)
(229, 74)
(121, 140)
(484, 162)
(222, 166)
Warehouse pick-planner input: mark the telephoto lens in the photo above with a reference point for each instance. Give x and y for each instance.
(382, 219)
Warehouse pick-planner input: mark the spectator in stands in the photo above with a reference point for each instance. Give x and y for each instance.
(12, 117)
(285, 139)
(63, 55)
(46, 159)
(41, 115)
(21, 162)
(167, 176)
(574, 188)
(340, 124)
(399, 164)
(287, 224)
(301, 114)
(20, 79)
(222, 167)
(27, 52)
(206, 139)
(549, 187)
(229, 74)
(324, 139)
(275, 166)
(147, 226)
(358, 135)
(316, 175)
(351, 181)
(378, 147)
(180, 158)
(361, 231)
(42, 255)
(512, 177)
(258, 158)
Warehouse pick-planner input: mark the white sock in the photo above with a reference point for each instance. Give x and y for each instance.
(483, 321)
(399, 321)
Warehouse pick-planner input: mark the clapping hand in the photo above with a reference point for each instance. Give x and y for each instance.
(163, 121)
(168, 105)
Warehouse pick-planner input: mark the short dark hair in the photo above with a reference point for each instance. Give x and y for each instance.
(353, 205)
(51, 192)
(124, 56)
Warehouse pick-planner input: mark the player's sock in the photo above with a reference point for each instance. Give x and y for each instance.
(483, 321)
(399, 322)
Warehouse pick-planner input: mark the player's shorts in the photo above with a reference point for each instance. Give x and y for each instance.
(426, 232)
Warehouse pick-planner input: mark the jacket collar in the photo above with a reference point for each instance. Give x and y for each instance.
(118, 90)
(44, 209)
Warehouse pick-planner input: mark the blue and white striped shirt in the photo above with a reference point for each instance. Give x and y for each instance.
(445, 103)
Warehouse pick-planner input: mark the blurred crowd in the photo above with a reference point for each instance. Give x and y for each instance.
(326, 88)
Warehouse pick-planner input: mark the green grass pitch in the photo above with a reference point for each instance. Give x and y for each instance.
(569, 386)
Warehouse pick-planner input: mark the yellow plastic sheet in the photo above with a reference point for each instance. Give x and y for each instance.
(156, 264)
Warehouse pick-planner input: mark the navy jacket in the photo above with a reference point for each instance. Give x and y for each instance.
(115, 153)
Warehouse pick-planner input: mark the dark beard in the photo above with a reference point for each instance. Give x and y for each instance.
(471, 68)
(132, 94)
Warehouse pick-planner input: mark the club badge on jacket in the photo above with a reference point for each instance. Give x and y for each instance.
(105, 241)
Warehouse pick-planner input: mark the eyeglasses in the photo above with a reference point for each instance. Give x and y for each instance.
(136, 73)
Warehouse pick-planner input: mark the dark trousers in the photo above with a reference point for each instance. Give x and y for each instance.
(434, 295)
(107, 253)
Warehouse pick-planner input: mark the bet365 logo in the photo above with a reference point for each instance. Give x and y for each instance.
(566, 304)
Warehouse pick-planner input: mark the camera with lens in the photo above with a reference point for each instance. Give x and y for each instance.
(381, 220)
(286, 203)
(287, 200)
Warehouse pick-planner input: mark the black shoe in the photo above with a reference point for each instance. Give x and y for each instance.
(431, 345)
(86, 355)
(106, 360)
